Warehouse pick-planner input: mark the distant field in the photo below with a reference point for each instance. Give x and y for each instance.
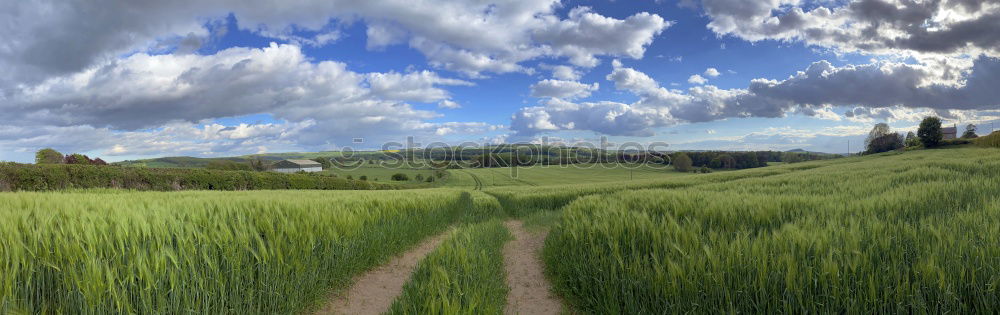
(553, 175)
(382, 174)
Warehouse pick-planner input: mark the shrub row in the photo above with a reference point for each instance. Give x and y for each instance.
(29, 177)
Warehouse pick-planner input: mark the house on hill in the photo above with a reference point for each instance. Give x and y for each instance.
(293, 166)
(949, 133)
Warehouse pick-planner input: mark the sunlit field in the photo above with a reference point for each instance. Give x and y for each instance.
(898, 232)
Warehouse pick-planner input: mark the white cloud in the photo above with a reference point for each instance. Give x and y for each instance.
(586, 34)
(562, 72)
(697, 79)
(562, 89)
(323, 103)
(449, 104)
(465, 36)
(811, 92)
(711, 72)
(417, 86)
(951, 27)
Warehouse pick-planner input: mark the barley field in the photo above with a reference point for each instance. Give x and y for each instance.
(260, 252)
(899, 233)
(909, 232)
(465, 275)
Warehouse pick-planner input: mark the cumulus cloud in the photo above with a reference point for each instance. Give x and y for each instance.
(145, 92)
(697, 79)
(883, 90)
(418, 86)
(585, 34)
(885, 85)
(562, 72)
(871, 26)
(449, 104)
(562, 89)
(712, 72)
(465, 36)
(135, 67)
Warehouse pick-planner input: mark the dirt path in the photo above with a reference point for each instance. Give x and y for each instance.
(530, 292)
(374, 291)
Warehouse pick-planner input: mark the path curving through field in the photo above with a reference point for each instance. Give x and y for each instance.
(374, 291)
(530, 292)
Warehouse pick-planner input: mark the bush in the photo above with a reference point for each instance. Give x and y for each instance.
(363, 177)
(682, 163)
(930, 132)
(29, 177)
(400, 177)
(704, 170)
(420, 177)
(77, 158)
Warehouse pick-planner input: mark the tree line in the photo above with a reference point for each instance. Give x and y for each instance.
(929, 134)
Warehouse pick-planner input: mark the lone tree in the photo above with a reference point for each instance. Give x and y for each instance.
(682, 162)
(882, 139)
(970, 132)
(48, 156)
(930, 131)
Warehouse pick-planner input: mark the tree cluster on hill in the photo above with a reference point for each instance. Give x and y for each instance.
(736, 160)
(882, 139)
(51, 156)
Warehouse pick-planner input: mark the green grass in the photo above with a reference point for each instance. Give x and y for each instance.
(465, 275)
(542, 175)
(897, 233)
(203, 252)
(379, 174)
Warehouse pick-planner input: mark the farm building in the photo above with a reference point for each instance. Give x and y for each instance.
(948, 133)
(292, 166)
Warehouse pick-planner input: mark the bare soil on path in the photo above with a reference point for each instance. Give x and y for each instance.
(530, 292)
(374, 291)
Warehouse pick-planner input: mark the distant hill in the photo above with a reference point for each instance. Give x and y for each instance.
(800, 150)
(196, 162)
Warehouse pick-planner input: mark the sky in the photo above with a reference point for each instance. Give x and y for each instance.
(137, 79)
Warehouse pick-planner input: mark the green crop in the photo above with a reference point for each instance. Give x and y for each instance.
(903, 233)
(465, 275)
(203, 252)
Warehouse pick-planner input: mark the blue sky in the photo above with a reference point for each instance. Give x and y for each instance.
(213, 78)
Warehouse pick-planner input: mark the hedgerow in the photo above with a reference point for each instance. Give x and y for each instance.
(29, 177)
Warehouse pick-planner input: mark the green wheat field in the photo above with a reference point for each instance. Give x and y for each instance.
(913, 232)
